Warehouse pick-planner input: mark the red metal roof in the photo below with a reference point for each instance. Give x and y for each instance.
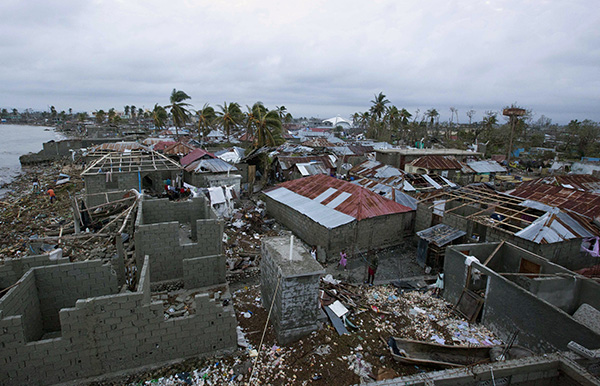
(162, 145)
(437, 162)
(179, 148)
(584, 203)
(361, 204)
(196, 155)
(577, 181)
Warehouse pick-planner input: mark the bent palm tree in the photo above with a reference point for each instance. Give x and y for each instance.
(268, 128)
(229, 117)
(206, 118)
(159, 116)
(179, 110)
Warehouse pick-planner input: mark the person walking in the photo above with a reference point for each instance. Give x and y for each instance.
(52, 195)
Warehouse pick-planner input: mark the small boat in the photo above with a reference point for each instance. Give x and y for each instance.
(414, 352)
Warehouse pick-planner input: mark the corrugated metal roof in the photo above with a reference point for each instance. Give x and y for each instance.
(195, 155)
(178, 148)
(287, 162)
(311, 168)
(437, 162)
(361, 204)
(210, 165)
(119, 146)
(553, 227)
(584, 203)
(583, 182)
(486, 166)
(317, 142)
(328, 217)
(440, 234)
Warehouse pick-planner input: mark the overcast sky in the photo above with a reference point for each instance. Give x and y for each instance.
(319, 58)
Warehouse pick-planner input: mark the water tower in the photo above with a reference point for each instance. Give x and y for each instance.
(513, 114)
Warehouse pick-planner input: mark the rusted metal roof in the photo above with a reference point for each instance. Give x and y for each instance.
(287, 162)
(119, 147)
(584, 203)
(179, 148)
(343, 196)
(196, 155)
(437, 162)
(584, 182)
(160, 146)
(317, 142)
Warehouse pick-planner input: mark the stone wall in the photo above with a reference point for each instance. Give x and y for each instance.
(508, 307)
(292, 286)
(105, 334)
(208, 180)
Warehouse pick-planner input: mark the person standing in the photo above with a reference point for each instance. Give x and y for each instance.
(313, 252)
(373, 264)
(343, 259)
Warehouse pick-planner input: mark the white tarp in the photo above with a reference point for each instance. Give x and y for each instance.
(216, 195)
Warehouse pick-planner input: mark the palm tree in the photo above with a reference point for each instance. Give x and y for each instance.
(111, 115)
(132, 108)
(378, 108)
(126, 109)
(206, 118)
(268, 127)
(281, 110)
(159, 116)
(179, 110)
(392, 116)
(229, 117)
(489, 121)
(432, 114)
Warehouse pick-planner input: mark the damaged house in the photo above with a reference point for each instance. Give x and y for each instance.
(516, 292)
(204, 170)
(109, 176)
(487, 216)
(334, 214)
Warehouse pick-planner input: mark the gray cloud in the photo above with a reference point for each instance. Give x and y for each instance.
(317, 58)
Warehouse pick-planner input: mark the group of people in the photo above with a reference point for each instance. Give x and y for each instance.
(372, 263)
(176, 192)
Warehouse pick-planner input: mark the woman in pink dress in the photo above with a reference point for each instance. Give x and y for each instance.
(343, 259)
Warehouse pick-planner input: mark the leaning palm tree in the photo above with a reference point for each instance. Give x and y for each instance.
(206, 118)
(229, 117)
(179, 110)
(268, 128)
(159, 116)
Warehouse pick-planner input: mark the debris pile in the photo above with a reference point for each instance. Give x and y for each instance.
(242, 240)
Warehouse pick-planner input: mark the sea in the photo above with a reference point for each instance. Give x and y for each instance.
(16, 140)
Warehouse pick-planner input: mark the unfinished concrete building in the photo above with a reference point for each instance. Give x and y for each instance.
(183, 241)
(487, 216)
(73, 321)
(290, 281)
(334, 215)
(517, 291)
(69, 321)
(116, 171)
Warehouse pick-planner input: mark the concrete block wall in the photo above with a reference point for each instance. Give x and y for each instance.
(542, 326)
(112, 333)
(203, 271)
(292, 286)
(60, 286)
(208, 180)
(377, 232)
(11, 270)
(157, 236)
(424, 217)
(22, 304)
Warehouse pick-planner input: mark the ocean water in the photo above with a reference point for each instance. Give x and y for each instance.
(16, 140)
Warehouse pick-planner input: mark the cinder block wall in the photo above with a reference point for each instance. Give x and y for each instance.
(542, 326)
(423, 217)
(11, 270)
(20, 307)
(377, 232)
(157, 236)
(60, 286)
(292, 287)
(203, 271)
(111, 333)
